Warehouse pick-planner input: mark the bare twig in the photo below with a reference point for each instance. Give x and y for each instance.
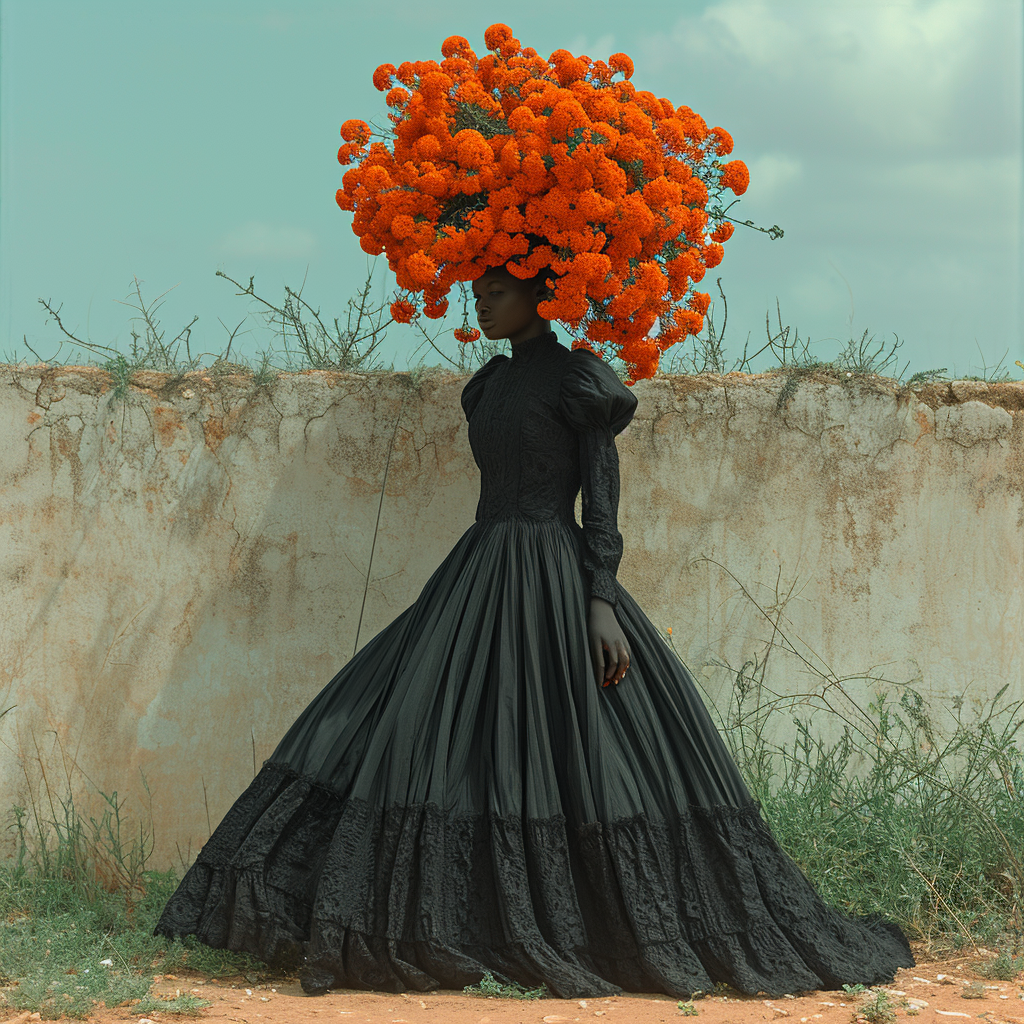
(380, 506)
(316, 344)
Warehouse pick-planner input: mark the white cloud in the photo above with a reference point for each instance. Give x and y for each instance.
(892, 76)
(265, 241)
(922, 43)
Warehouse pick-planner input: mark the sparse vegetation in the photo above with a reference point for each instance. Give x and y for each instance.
(899, 814)
(307, 342)
(879, 1010)
(1004, 967)
(490, 986)
(78, 904)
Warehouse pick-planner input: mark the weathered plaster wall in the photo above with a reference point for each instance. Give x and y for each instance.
(184, 568)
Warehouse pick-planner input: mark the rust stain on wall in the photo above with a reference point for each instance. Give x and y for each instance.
(214, 432)
(924, 423)
(167, 421)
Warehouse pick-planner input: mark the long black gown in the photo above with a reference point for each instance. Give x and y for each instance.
(463, 796)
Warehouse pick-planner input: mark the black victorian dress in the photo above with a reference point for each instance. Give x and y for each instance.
(464, 797)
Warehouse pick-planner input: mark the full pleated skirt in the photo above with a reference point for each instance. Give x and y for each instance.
(463, 797)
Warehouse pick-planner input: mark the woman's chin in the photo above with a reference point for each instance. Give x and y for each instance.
(491, 333)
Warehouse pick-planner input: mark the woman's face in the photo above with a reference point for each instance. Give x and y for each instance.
(507, 307)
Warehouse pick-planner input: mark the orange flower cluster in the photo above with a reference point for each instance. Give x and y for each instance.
(513, 159)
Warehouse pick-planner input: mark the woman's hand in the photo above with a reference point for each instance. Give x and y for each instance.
(606, 635)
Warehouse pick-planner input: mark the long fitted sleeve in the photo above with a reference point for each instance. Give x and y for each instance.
(598, 406)
(602, 542)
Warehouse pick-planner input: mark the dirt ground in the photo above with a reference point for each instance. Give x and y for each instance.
(934, 991)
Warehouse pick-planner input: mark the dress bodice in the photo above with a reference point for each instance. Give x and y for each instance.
(542, 424)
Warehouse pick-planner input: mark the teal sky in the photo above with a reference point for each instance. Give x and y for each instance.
(165, 141)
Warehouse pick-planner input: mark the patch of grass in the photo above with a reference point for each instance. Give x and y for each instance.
(490, 986)
(73, 993)
(1005, 967)
(78, 905)
(54, 951)
(890, 806)
(687, 1009)
(193, 955)
(901, 819)
(185, 1005)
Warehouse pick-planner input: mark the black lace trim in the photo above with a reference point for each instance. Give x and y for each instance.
(414, 898)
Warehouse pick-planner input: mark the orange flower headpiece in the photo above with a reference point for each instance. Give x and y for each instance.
(511, 159)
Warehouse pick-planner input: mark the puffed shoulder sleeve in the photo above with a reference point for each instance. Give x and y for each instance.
(593, 396)
(474, 387)
(597, 405)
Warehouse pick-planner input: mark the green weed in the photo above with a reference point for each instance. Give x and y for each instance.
(880, 1010)
(490, 986)
(902, 820)
(71, 992)
(687, 1009)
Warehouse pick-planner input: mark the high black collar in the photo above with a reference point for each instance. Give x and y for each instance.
(526, 350)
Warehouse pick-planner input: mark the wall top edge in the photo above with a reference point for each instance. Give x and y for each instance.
(92, 380)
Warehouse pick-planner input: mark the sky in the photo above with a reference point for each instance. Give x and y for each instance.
(167, 141)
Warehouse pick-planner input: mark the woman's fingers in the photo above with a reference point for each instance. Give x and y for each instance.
(610, 662)
(615, 666)
(623, 663)
(597, 657)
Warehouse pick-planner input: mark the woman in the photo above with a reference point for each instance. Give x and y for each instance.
(518, 775)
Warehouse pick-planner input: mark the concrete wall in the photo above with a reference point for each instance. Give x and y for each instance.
(183, 568)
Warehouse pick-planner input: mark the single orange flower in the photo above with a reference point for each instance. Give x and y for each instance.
(403, 311)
